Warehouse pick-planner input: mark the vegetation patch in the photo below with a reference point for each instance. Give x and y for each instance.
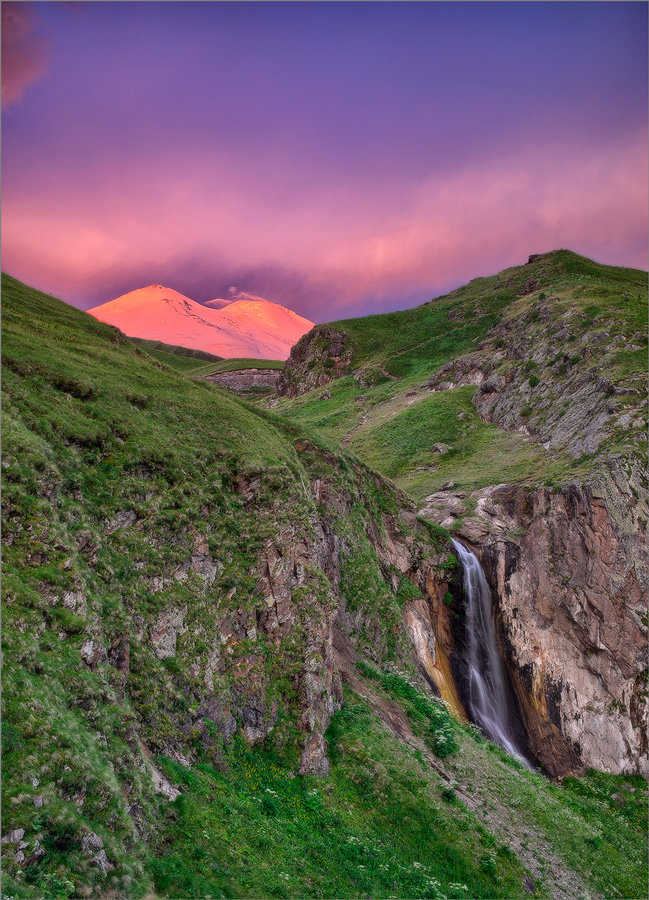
(256, 829)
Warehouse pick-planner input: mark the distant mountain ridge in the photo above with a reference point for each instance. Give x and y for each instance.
(248, 327)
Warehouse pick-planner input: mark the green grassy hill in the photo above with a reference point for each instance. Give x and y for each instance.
(558, 329)
(172, 558)
(411, 343)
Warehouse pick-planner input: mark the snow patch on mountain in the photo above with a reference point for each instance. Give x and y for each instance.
(246, 326)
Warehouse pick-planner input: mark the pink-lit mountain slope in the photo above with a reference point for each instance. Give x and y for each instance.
(253, 328)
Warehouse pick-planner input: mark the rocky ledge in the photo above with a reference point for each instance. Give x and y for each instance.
(540, 372)
(244, 379)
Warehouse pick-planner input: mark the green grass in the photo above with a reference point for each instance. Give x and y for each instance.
(393, 826)
(577, 819)
(237, 364)
(116, 394)
(437, 724)
(196, 362)
(399, 438)
(378, 826)
(415, 342)
(46, 737)
(185, 365)
(180, 359)
(410, 344)
(336, 416)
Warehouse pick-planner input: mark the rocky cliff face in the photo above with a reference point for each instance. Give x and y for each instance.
(548, 370)
(236, 614)
(307, 585)
(318, 357)
(569, 566)
(569, 570)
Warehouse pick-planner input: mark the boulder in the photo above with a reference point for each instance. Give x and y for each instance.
(91, 843)
(14, 837)
(102, 862)
(164, 633)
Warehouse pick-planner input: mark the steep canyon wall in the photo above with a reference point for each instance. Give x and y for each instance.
(568, 569)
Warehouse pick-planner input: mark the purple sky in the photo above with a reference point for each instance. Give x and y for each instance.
(338, 158)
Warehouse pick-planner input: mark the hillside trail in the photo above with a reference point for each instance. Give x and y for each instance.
(385, 409)
(471, 779)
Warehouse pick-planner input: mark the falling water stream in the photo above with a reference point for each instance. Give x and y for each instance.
(488, 704)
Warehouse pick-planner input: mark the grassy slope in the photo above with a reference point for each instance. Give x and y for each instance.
(180, 359)
(395, 352)
(237, 364)
(415, 342)
(397, 441)
(377, 827)
(91, 426)
(386, 824)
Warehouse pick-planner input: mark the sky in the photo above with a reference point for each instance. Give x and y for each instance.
(337, 158)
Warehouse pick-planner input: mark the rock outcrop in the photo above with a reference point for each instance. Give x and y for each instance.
(568, 565)
(313, 586)
(539, 371)
(320, 356)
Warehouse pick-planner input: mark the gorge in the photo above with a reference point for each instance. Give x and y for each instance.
(238, 653)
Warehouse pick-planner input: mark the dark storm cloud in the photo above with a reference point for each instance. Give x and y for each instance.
(25, 50)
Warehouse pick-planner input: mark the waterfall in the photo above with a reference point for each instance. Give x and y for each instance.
(488, 695)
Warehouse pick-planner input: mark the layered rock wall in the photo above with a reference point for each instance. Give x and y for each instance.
(536, 373)
(258, 647)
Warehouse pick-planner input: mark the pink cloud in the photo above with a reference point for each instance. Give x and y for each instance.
(491, 216)
(353, 244)
(25, 51)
